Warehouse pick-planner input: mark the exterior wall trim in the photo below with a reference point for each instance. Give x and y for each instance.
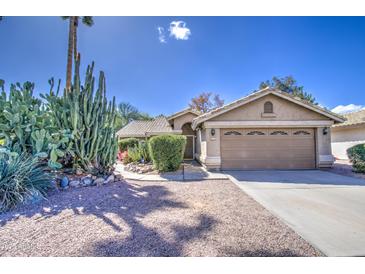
(326, 161)
(258, 124)
(178, 132)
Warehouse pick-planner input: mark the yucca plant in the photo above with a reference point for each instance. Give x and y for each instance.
(21, 177)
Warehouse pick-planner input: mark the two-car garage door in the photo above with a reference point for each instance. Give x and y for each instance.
(265, 148)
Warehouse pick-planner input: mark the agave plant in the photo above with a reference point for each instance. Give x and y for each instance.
(21, 177)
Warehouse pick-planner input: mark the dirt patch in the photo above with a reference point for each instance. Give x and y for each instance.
(208, 218)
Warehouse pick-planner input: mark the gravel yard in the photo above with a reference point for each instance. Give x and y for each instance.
(207, 218)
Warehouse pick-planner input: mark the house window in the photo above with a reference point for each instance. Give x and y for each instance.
(255, 132)
(278, 132)
(232, 133)
(268, 107)
(301, 132)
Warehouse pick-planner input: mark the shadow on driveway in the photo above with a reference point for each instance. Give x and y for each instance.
(295, 177)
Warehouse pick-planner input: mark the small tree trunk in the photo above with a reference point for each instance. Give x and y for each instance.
(74, 35)
(69, 54)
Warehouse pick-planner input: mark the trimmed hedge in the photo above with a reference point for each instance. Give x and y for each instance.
(167, 151)
(356, 155)
(124, 144)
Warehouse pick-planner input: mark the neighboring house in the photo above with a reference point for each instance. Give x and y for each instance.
(348, 134)
(267, 129)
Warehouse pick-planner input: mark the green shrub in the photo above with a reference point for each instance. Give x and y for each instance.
(356, 155)
(143, 151)
(127, 160)
(167, 151)
(133, 154)
(21, 177)
(124, 144)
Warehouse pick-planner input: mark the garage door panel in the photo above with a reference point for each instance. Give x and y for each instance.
(268, 148)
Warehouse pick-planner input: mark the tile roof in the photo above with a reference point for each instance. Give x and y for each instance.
(139, 128)
(353, 118)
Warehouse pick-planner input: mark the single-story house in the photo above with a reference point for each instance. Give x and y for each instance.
(348, 134)
(268, 129)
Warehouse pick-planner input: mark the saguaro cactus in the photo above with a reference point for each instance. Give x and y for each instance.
(90, 118)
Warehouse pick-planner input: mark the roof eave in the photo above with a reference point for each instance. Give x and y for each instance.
(183, 112)
(261, 93)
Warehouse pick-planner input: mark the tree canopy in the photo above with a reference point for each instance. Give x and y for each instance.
(288, 84)
(206, 101)
(128, 113)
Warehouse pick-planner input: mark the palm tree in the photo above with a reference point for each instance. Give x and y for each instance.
(128, 113)
(72, 42)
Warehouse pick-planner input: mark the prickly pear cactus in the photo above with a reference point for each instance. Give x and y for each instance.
(21, 115)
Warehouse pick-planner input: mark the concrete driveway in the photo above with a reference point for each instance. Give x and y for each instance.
(326, 209)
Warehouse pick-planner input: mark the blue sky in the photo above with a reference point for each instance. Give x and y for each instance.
(225, 55)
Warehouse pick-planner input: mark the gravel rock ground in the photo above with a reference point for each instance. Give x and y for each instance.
(208, 218)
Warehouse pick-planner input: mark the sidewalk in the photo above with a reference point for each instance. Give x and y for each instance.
(191, 171)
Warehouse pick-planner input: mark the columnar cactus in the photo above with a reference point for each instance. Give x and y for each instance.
(90, 118)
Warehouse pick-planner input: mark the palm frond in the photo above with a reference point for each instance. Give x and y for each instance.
(87, 20)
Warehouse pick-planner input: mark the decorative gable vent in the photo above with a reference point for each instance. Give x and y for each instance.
(268, 107)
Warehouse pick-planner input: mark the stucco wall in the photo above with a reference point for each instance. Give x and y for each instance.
(201, 146)
(212, 149)
(344, 138)
(208, 148)
(183, 119)
(284, 110)
(324, 150)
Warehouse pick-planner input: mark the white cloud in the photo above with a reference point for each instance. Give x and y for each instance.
(161, 34)
(348, 108)
(179, 31)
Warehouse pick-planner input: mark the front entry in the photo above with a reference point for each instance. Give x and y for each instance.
(189, 149)
(190, 141)
(263, 148)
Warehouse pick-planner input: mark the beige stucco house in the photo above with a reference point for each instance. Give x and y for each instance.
(267, 129)
(348, 134)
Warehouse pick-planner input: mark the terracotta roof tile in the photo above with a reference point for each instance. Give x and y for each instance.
(144, 128)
